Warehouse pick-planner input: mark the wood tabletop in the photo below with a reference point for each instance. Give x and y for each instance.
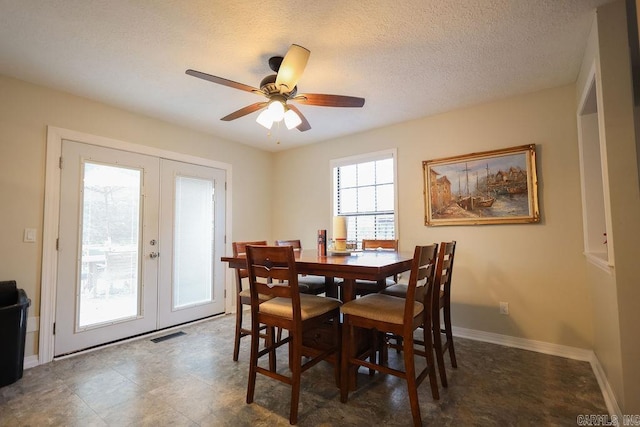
(366, 265)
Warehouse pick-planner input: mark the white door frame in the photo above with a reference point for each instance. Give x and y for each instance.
(48, 285)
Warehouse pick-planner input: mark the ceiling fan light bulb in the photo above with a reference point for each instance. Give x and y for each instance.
(265, 119)
(291, 119)
(276, 110)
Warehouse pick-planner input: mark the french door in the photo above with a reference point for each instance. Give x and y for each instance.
(138, 241)
(192, 218)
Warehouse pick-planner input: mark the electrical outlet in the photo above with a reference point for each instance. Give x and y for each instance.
(504, 308)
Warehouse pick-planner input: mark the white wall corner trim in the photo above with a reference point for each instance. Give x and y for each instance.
(31, 361)
(553, 350)
(33, 324)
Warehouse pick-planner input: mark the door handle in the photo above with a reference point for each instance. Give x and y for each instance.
(154, 255)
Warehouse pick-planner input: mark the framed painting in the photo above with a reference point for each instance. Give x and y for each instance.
(492, 187)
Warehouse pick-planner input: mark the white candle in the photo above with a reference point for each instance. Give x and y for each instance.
(339, 227)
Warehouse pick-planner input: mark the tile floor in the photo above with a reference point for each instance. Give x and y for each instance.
(191, 380)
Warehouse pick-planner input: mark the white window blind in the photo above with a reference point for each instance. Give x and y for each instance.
(364, 192)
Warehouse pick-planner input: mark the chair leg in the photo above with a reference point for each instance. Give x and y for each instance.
(449, 335)
(253, 362)
(269, 343)
(337, 333)
(384, 348)
(375, 348)
(431, 363)
(398, 344)
(296, 369)
(347, 339)
(412, 386)
(437, 346)
(236, 342)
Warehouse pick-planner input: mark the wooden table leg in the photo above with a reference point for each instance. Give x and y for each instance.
(331, 289)
(348, 290)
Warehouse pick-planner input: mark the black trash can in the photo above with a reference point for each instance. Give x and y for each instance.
(13, 331)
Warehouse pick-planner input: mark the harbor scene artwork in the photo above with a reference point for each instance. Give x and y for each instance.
(491, 187)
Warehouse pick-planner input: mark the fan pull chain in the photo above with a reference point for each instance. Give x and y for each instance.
(278, 133)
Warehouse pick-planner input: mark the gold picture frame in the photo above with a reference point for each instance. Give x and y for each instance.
(491, 187)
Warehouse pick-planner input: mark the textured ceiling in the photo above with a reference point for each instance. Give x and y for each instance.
(407, 58)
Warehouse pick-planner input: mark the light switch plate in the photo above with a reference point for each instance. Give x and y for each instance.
(29, 235)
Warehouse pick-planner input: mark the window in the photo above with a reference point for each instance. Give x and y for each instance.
(364, 189)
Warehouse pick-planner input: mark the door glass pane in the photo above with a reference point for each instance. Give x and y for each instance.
(110, 236)
(193, 241)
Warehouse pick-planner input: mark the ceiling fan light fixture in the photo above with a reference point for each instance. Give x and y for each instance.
(278, 89)
(291, 119)
(265, 119)
(276, 110)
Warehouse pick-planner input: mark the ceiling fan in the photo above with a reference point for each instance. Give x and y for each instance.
(278, 89)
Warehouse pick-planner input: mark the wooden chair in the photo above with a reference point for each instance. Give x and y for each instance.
(442, 301)
(272, 270)
(365, 287)
(398, 316)
(243, 296)
(308, 284)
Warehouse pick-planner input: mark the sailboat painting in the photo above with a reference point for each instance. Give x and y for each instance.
(491, 187)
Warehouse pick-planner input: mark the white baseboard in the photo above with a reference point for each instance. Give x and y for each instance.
(525, 344)
(603, 382)
(554, 350)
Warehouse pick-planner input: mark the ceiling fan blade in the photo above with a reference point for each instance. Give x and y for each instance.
(244, 111)
(291, 68)
(224, 82)
(323, 100)
(304, 126)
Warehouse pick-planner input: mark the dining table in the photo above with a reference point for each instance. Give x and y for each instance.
(358, 265)
(349, 267)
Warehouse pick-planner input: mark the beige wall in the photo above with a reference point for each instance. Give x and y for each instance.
(537, 268)
(26, 111)
(602, 287)
(617, 105)
(615, 296)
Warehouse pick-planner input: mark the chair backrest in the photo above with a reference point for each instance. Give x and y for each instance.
(388, 245)
(295, 244)
(240, 249)
(422, 274)
(379, 244)
(444, 270)
(272, 271)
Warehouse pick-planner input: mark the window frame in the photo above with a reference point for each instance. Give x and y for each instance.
(364, 158)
